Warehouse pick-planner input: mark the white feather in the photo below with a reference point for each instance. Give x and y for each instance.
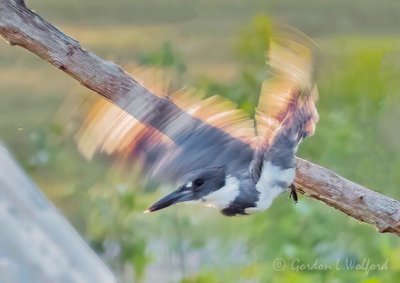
(273, 182)
(224, 196)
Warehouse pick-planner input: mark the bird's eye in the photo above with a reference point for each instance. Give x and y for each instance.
(198, 182)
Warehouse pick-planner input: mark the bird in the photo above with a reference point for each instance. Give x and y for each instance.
(210, 151)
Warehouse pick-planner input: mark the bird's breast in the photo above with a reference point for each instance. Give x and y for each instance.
(274, 180)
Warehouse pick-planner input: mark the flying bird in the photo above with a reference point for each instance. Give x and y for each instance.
(210, 151)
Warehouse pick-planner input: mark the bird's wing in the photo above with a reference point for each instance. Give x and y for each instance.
(286, 110)
(203, 131)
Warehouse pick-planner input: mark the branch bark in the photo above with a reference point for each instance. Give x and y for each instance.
(21, 26)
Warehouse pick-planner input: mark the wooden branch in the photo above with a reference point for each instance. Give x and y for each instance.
(37, 244)
(20, 26)
(361, 203)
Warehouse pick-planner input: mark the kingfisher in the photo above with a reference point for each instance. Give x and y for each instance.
(212, 152)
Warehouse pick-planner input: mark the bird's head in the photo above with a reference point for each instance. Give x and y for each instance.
(210, 186)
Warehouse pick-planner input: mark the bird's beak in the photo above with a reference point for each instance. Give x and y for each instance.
(179, 195)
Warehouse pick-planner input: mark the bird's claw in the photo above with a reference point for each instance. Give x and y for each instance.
(293, 193)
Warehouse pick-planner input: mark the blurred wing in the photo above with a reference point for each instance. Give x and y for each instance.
(288, 90)
(206, 132)
(286, 110)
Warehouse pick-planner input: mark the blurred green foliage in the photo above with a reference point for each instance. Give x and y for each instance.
(358, 136)
(165, 58)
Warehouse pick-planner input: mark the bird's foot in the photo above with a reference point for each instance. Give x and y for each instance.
(293, 193)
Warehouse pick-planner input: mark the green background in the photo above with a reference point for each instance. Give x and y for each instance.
(219, 46)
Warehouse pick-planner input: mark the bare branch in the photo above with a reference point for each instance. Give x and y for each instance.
(20, 26)
(352, 199)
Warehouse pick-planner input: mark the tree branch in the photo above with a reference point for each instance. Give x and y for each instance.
(21, 26)
(361, 203)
